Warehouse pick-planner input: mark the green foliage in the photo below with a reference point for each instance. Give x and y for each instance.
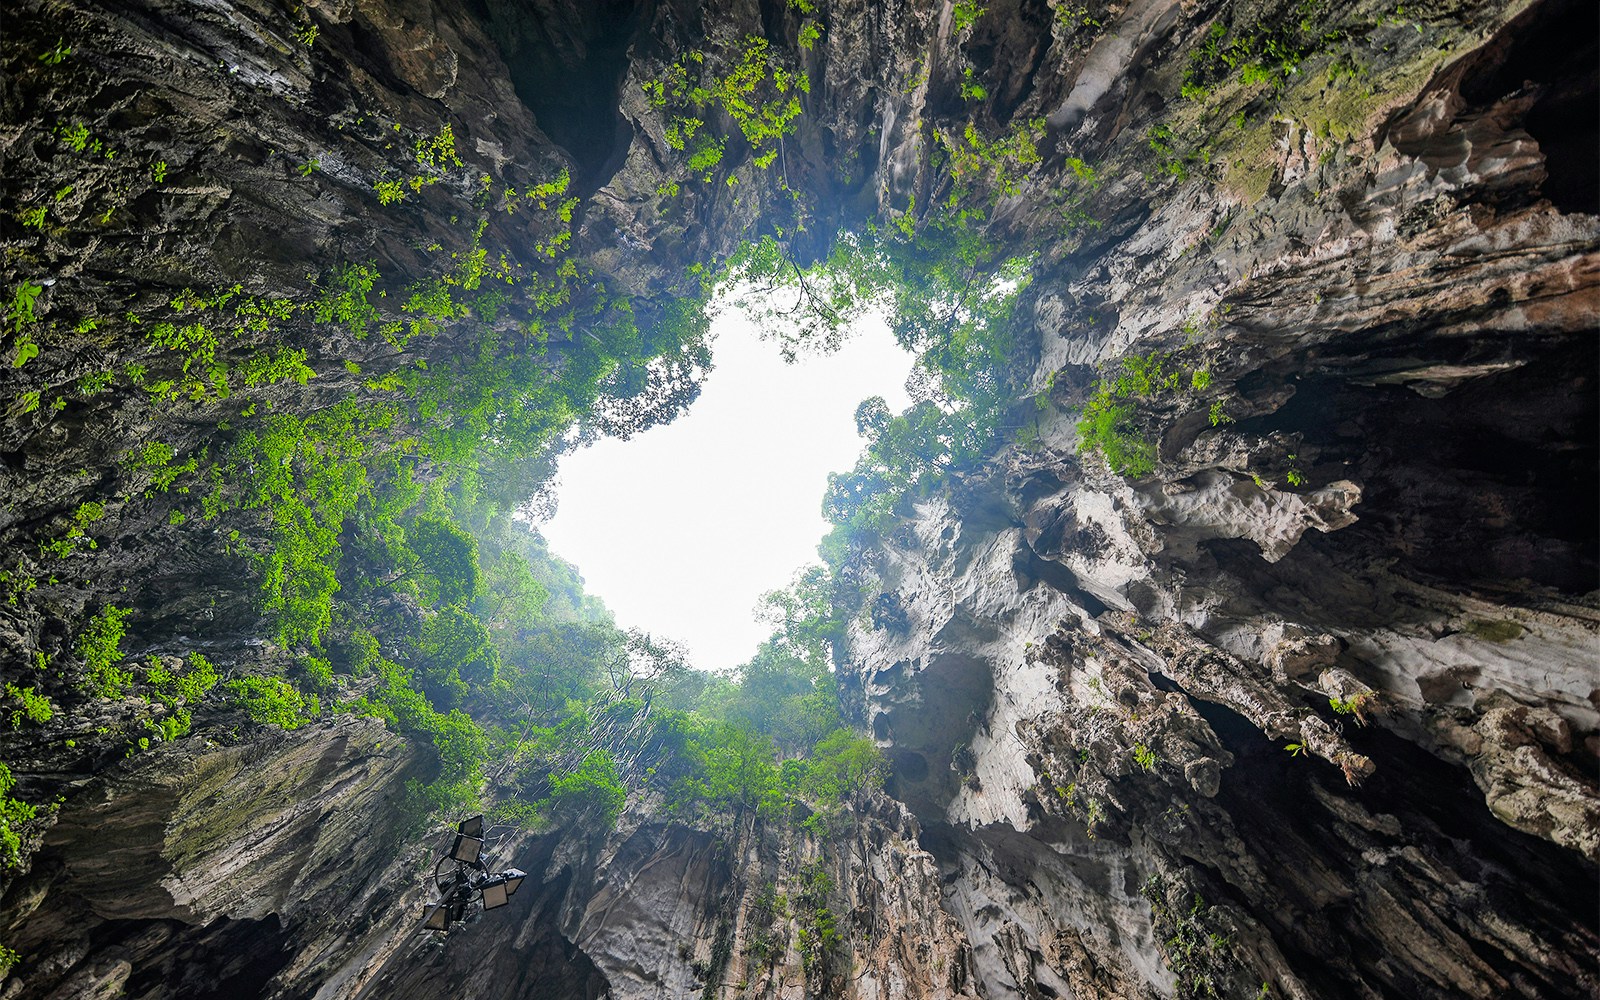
(155, 458)
(435, 156)
(971, 89)
(459, 742)
(27, 350)
(280, 364)
(450, 556)
(273, 701)
(21, 309)
(184, 688)
(841, 765)
(1199, 959)
(1171, 156)
(389, 191)
(1110, 423)
(456, 654)
(100, 646)
(1358, 705)
(1271, 56)
(828, 297)
(952, 294)
(1107, 427)
(738, 774)
(308, 477)
(1145, 757)
(818, 936)
(542, 193)
(198, 344)
(787, 689)
(764, 939)
(13, 813)
(964, 14)
(96, 382)
(443, 798)
(318, 673)
(998, 163)
(461, 746)
(76, 534)
(54, 57)
(591, 795)
(76, 136)
(438, 152)
(757, 91)
(32, 706)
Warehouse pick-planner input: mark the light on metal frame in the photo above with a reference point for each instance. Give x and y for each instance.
(462, 878)
(466, 849)
(513, 877)
(495, 893)
(437, 919)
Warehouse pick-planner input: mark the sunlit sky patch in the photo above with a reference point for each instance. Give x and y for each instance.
(682, 529)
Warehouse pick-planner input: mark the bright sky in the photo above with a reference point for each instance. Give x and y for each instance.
(682, 529)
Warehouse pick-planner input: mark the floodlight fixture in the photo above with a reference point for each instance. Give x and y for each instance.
(514, 877)
(495, 893)
(462, 879)
(467, 849)
(436, 918)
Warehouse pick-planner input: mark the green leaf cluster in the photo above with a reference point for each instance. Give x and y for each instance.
(178, 693)
(273, 701)
(13, 813)
(591, 793)
(1109, 423)
(756, 90)
(32, 705)
(100, 645)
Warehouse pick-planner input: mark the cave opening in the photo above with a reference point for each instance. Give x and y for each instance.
(683, 528)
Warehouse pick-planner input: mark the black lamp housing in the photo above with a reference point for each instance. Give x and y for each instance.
(495, 893)
(467, 850)
(513, 877)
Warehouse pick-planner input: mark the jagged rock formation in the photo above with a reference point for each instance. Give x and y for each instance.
(1085, 682)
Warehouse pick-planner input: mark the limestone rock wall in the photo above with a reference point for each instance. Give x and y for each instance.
(1113, 701)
